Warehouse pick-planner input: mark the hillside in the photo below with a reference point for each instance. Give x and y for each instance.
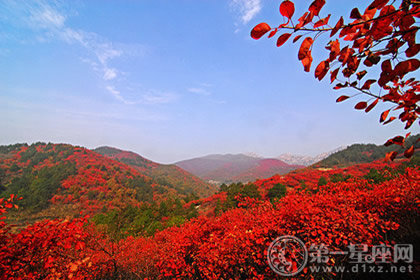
(234, 168)
(363, 153)
(59, 180)
(376, 203)
(265, 168)
(168, 175)
(306, 160)
(308, 178)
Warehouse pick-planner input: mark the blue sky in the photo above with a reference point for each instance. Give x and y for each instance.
(169, 80)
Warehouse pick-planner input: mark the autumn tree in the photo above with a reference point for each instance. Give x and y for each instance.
(381, 40)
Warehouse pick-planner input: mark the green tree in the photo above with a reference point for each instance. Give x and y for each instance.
(322, 181)
(276, 192)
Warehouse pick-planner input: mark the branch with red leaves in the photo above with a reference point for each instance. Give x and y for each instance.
(384, 33)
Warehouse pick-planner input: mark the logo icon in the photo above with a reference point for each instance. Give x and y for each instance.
(287, 255)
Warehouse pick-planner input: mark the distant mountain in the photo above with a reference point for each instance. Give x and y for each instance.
(234, 167)
(364, 153)
(306, 160)
(168, 175)
(266, 168)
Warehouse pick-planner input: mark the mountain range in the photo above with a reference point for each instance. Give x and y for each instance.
(234, 167)
(307, 160)
(61, 180)
(164, 174)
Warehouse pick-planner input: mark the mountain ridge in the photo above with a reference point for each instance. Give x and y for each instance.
(307, 160)
(364, 153)
(226, 168)
(165, 174)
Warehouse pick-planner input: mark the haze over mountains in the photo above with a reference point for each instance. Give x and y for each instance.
(227, 168)
(164, 174)
(234, 168)
(61, 179)
(307, 160)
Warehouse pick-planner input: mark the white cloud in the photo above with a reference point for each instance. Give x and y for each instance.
(150, 97)
(201, 91)
(110, 74)
(47, 17)
(112, 90)
(158, 98)
(247, 9)
(48, 20)
(117, 94)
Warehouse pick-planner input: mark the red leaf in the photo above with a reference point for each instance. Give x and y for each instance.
(397, 140)
(377, 4)
(296, 38)
(307, 61)
(355, 14)
(384, 115)
(342, 98)
(388, 143)
(303, 20)
(409, 152)
(413, 50)
(334, 74)
(287, 9)
(272, 33)
(322, 22)
(367, 84)
(370, 107)
(304, 48)
(406, 66)
(389, 120)
(334, 47)
(361, 105)
(316, 6)
(391, 155)
(283, 38)
(337, 26)
(361, 74)
(322, 69)
(386, 66)
(369, 14)
(259, 30)
(339, 85)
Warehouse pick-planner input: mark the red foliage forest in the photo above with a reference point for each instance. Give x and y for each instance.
(230, 245)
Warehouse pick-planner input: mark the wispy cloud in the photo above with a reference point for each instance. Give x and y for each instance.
(158, 98)
(246, 9)
(110, 73)
(49, 21)
(201, 91)
(116, 93)
(150, 97)
(47, 17)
